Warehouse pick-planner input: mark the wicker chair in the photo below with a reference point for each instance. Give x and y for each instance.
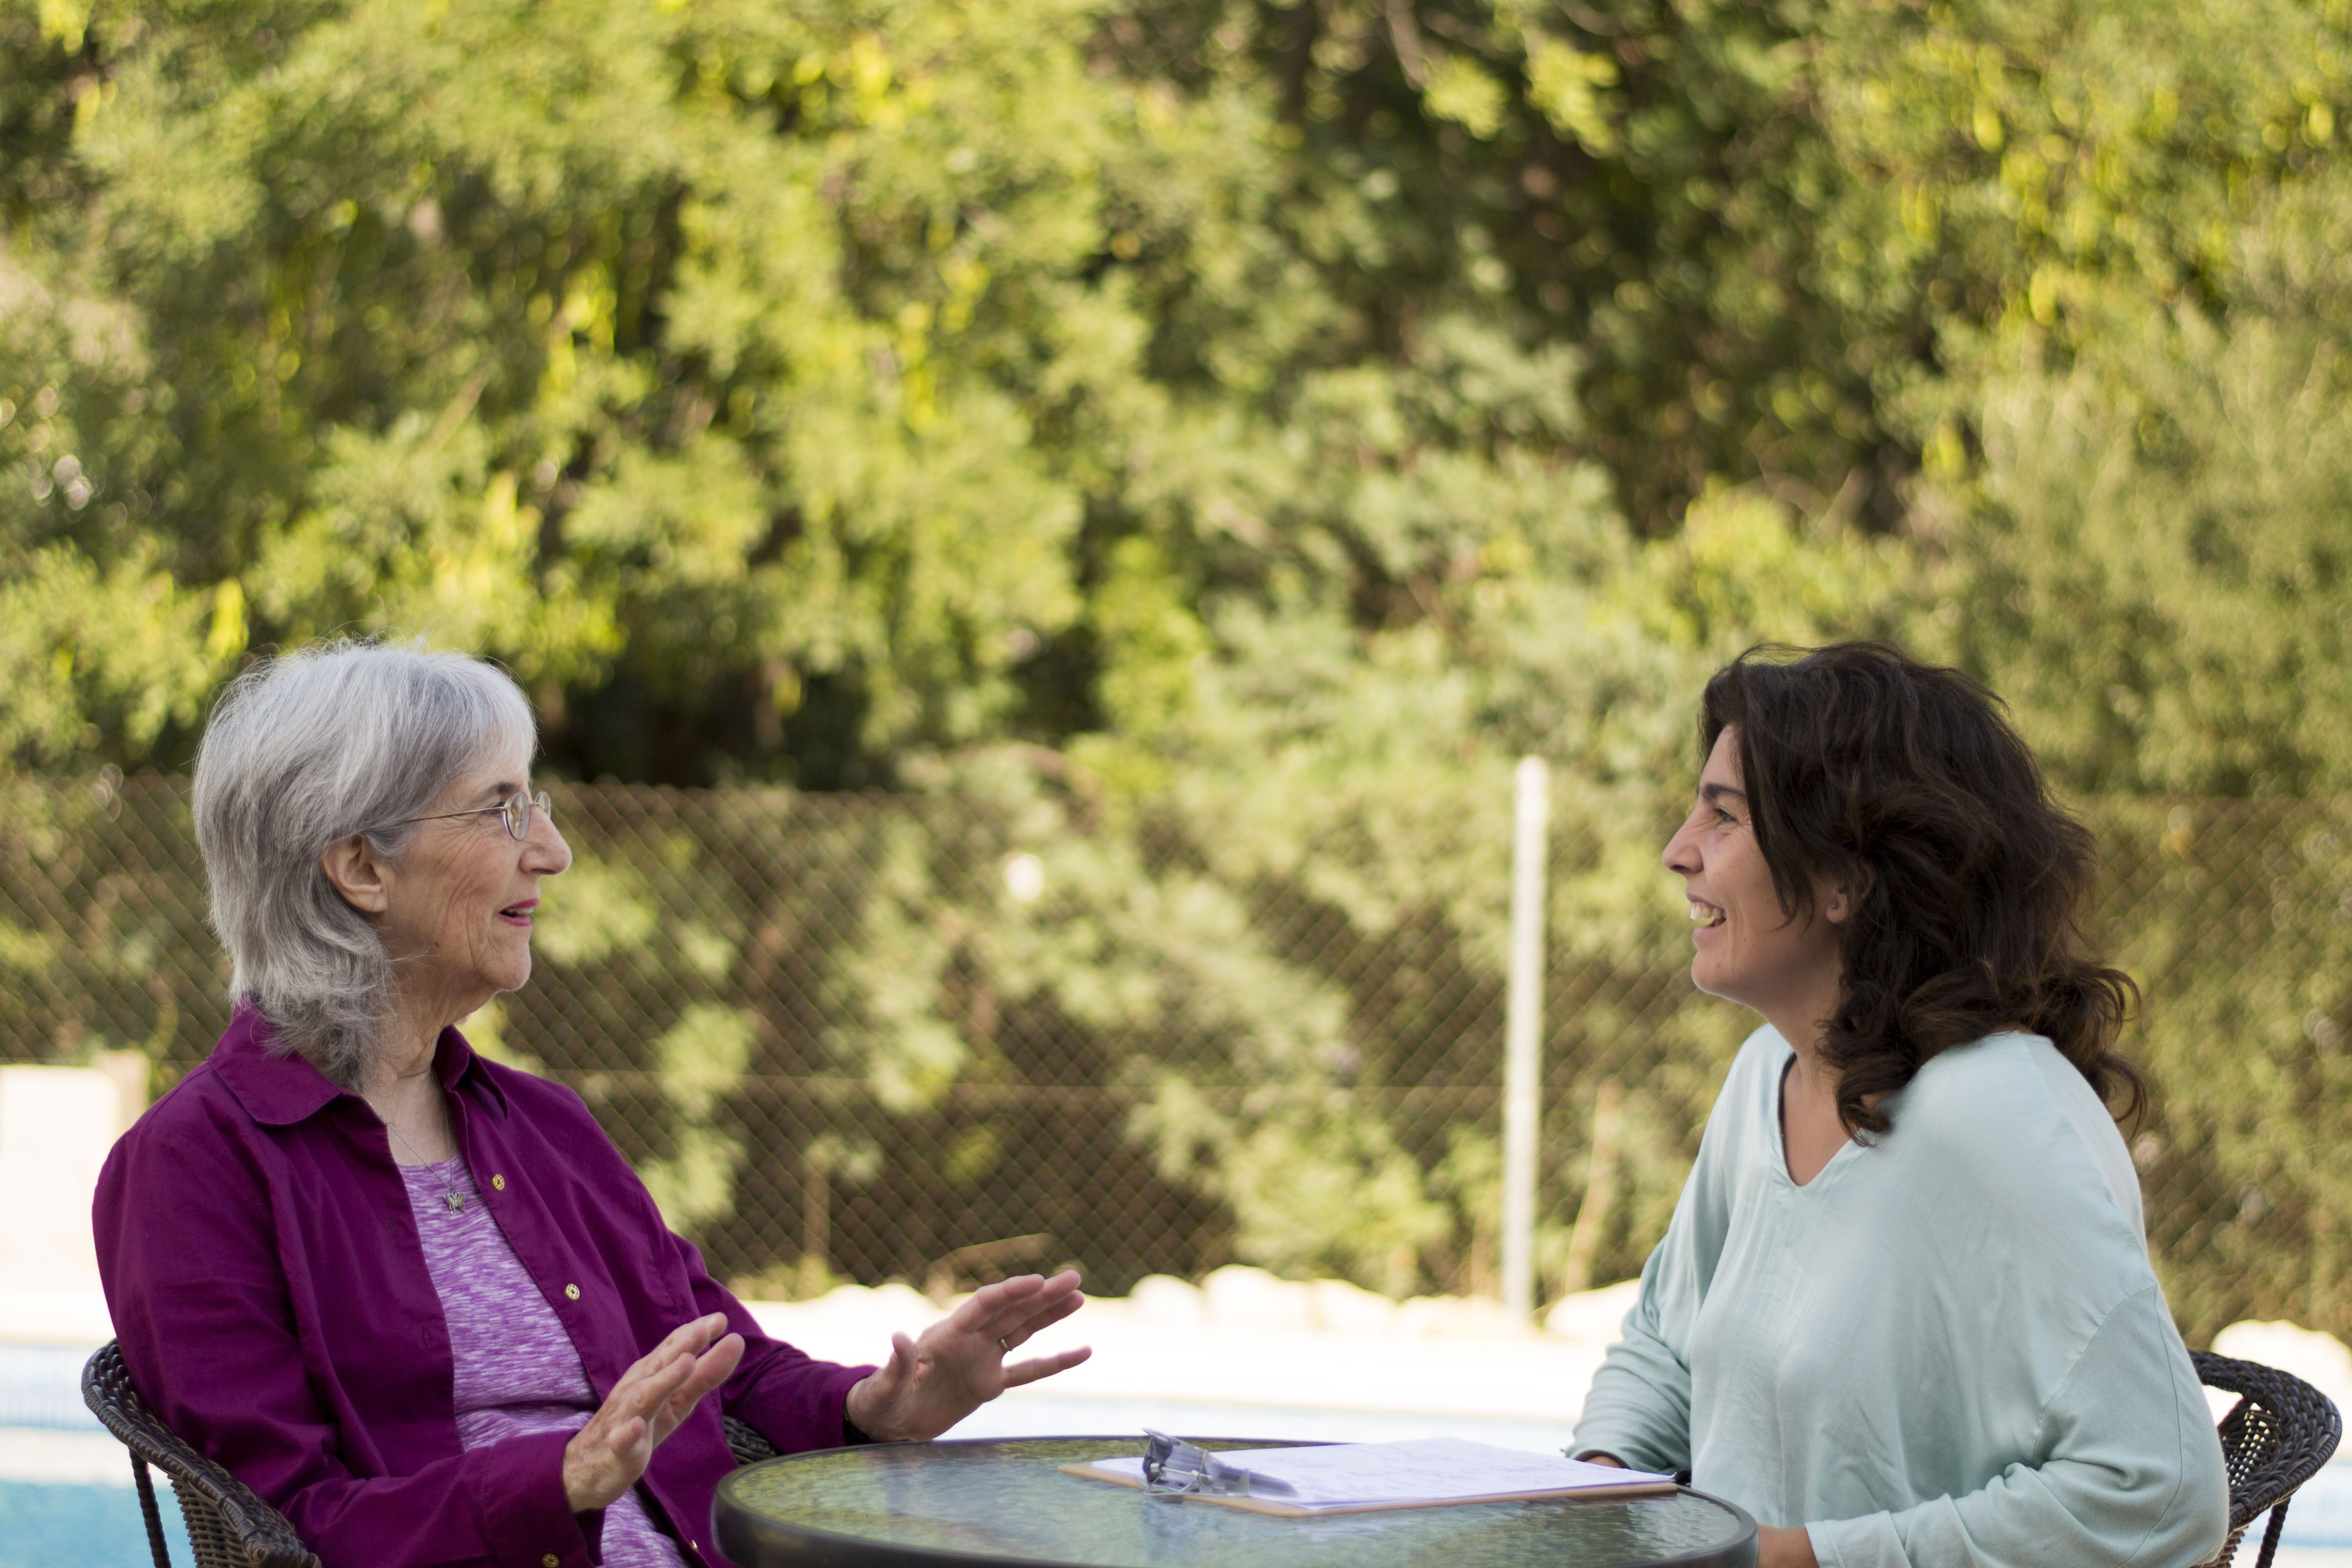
(2272, 1440)
(229, 1526)
(746, 1443)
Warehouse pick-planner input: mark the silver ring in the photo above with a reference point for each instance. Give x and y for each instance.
(1003, 1346)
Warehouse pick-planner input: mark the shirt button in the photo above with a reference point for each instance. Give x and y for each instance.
(572, 1293)
(499, 1183)
(549, 1560)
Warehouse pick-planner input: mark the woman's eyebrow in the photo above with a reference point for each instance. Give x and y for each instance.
(1714, 794)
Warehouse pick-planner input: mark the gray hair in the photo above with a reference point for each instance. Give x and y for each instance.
(337, 738)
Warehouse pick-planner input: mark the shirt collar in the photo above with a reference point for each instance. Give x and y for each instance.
(278, 1087)
(460, 1067)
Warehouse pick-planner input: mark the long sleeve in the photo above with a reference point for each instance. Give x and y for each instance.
(1638, 1409)
(207, 1325)
(793, 1400)
(2132, 1474)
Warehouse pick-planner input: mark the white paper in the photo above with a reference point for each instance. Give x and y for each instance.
(1425, 1470)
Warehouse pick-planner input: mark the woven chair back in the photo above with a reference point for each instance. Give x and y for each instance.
(2272, 1440)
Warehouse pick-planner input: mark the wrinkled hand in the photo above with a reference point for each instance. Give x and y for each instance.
(605, 1457)
(958, 1365)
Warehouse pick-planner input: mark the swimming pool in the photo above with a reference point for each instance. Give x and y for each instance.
(65, 1485)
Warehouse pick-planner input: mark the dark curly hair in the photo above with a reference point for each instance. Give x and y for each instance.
(1905, 784)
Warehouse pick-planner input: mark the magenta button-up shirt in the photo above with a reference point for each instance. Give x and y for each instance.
(271, 1294)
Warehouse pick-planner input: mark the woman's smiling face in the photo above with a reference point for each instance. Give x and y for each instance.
(1751, 950)
(457, 904)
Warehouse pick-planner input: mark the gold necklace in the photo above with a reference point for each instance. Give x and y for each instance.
(448, 1189)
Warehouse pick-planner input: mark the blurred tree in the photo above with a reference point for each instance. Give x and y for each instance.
(1257, 419)
(781, 392)
(2158, 570)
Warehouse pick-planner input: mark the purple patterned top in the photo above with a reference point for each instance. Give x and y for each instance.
(517, 1370)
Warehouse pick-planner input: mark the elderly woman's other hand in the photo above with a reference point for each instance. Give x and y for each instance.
(958, 1365)
(605, 1457)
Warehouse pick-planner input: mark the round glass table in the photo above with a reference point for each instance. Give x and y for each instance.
(999, 1502)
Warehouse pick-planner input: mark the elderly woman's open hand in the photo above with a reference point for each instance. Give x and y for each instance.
(605, 1457)
(958, 1365)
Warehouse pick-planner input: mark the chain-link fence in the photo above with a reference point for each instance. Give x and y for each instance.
(943, 1038)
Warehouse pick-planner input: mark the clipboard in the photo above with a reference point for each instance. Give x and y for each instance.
(1278, 1508)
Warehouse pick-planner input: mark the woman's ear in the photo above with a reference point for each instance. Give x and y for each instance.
(350, 864)
(1836, 900)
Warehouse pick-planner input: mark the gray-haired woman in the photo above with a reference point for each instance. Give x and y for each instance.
(415, 1298)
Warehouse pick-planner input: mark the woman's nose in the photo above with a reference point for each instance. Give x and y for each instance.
(546, 851)
(1680, 854)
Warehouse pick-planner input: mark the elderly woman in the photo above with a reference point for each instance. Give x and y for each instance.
(412, 1297)
(1903, 1312)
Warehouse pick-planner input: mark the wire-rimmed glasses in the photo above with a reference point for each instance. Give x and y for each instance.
(514, 811)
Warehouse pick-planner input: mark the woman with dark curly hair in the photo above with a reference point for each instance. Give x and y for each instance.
(1903, 1313)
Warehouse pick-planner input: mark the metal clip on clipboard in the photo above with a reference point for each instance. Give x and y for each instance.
(1173, 1467)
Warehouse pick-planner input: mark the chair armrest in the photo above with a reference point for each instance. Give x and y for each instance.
(2277, 1436)
(745, 1442)
(259, 1529)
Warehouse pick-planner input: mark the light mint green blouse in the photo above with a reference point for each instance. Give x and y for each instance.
(1946, 1348)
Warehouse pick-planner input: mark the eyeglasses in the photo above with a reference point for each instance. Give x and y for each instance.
(1173, 1467)
(515, 811)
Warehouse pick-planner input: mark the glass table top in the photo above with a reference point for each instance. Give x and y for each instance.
(1005, 1501)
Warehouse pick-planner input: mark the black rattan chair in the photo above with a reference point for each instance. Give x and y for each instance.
(229, 1526)
(745, 1442)
(2272, 1440)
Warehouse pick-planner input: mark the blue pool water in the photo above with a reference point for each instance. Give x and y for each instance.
(40, 1385)
(88, 1521)
(2320, 1514)
(44, 1526)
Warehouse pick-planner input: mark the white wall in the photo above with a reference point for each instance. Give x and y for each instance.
(56, 1127)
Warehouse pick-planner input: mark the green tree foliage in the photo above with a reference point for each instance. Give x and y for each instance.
(790, 390)
(2157, 567)
(1256, 420)
(787, 391)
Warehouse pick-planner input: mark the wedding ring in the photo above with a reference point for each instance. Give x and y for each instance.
(1003, 1346)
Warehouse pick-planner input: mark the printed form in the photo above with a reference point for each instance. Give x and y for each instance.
(1423, 1471)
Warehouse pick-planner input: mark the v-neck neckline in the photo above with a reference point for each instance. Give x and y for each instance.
(1781, 1133)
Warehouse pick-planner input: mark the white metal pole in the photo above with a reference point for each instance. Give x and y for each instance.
(1531, 842)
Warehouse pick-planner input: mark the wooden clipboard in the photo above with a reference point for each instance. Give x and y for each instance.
(1277, 1508)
